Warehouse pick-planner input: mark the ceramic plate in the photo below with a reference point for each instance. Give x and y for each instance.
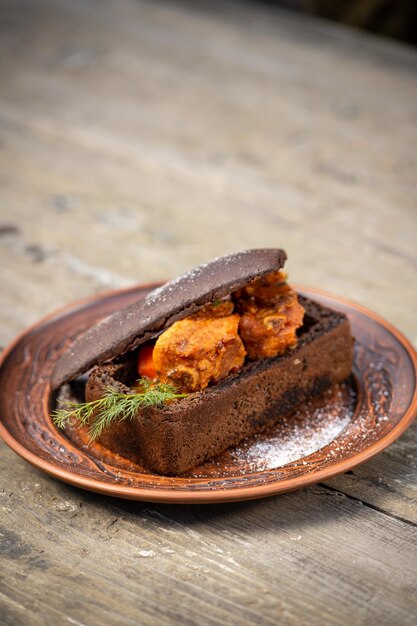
(342, 428)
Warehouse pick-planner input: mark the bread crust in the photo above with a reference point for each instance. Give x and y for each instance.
(174, 438)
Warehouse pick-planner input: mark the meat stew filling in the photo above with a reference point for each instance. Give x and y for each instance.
(258, 321)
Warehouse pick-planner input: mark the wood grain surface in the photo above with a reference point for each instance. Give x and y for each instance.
(138, 139)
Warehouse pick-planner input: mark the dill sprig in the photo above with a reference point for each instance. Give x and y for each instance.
(114, 406)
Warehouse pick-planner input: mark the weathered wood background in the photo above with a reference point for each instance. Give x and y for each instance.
(138, 139)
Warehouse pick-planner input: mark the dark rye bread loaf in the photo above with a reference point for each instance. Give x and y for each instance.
(174, 438)
(126, 329)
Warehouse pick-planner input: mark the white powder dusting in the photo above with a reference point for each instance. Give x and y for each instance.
(315, 425)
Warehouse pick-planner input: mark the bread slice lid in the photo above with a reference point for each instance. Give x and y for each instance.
(128, 328)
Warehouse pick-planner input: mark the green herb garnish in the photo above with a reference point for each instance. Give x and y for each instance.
(114, 406)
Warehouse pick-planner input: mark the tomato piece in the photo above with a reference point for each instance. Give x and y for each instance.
(146, 367)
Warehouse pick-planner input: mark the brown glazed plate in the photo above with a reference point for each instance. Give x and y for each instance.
(342, 428)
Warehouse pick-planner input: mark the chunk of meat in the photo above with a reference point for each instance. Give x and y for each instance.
(200, 349)
(270, 315)
(265, 290)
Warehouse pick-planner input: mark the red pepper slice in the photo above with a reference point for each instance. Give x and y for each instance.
(146, 367)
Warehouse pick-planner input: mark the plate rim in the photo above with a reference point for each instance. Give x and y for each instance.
(240, 493)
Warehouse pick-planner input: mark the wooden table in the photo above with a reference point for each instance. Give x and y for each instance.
(138, 139)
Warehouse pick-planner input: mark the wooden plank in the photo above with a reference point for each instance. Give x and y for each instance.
(315, 553)
(388, 482)
(234, 168)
